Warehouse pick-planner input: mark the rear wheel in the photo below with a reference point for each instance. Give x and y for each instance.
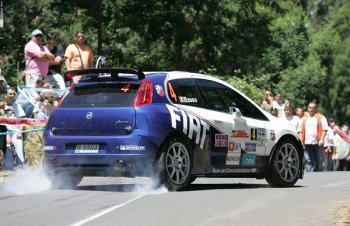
(285, 166)
(175, 164)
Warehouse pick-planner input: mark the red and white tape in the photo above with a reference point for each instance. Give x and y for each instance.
(22, 121)
(343, 135)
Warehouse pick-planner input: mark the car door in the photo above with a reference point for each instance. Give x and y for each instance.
(243, 133)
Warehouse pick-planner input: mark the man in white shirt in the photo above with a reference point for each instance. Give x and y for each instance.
(292, 120)
(312, 131)
(279, 105)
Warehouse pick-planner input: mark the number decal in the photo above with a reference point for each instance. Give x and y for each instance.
(172, 93)
(125, 88)
(253, 134)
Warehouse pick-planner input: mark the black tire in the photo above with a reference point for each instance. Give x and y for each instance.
(174, 164)
(64, 180)
(285, 166)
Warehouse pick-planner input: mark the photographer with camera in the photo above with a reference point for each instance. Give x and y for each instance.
(46, 105)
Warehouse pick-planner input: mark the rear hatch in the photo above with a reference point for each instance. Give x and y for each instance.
(99, 107)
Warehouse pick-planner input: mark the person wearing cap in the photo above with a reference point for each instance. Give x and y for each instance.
(37, 58)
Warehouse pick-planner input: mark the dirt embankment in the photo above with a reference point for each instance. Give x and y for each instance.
(342, 217)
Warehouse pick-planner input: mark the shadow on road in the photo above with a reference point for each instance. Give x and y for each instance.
(111, 187)
(197, 187)
(191, 187)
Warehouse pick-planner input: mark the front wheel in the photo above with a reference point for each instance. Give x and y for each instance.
(285, 166)
(174, 164)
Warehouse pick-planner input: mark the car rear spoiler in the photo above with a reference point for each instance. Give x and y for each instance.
(94, 72)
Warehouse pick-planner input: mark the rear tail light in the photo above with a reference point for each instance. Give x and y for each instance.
(143, 94)
(70, 89)
(69, 75)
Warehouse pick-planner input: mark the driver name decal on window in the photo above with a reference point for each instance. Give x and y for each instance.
(187, 100)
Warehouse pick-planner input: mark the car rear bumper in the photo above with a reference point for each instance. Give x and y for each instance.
(122, 155)
(100, 165)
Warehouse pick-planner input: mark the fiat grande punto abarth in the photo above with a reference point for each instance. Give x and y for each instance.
(175, 125)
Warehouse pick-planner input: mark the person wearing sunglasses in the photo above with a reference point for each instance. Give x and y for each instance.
(37, 58)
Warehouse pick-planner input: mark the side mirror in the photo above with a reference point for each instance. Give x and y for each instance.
(235, 112)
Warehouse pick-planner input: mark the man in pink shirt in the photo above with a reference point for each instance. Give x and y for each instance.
(37, 58)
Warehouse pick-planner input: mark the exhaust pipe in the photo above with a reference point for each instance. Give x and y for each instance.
(119, 166)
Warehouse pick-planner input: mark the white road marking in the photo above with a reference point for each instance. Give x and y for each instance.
(104, 212)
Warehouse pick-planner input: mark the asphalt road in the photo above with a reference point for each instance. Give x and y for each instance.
(319, 199)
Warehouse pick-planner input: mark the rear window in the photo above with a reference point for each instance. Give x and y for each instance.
(105, 94)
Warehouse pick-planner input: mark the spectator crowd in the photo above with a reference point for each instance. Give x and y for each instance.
(326, 144)
(38, 98)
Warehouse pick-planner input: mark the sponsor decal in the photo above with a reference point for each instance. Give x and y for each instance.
(250, 148)
(192, 126)
(258, 134)
(248, 159)
(119, 82)
(221, 140)
(272, 135)
(234, 147)
(260, 149)
(253, 134)
(235, 170)
(183, 99)
(239, 134)
(132, 148)
(121, 122)
(238, 147)
(233, 159)
(262, 138)
(159, 90)
(231, 147)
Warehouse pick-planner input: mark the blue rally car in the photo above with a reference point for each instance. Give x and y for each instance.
(175, 125)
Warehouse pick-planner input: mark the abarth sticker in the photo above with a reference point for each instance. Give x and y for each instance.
(272, 135)
(159, 90)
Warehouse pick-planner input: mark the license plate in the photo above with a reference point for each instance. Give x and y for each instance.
(87, 148)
